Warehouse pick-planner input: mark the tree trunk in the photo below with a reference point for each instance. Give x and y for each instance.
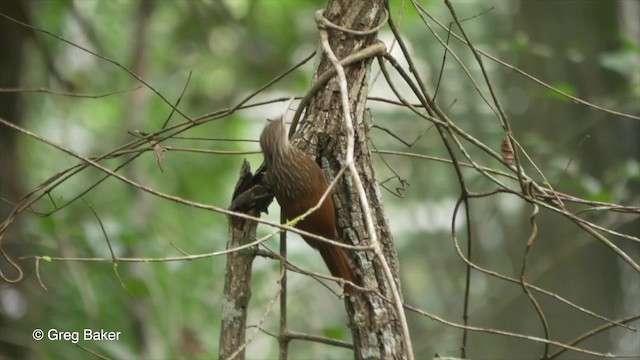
(374, 322)
(12, 40)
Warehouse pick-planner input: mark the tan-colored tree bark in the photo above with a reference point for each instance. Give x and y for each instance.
(249, 197)
(374, 322)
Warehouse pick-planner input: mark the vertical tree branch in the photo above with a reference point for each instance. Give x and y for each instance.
(376, 329)
(250, 199)
(390, 281)
(283, 339)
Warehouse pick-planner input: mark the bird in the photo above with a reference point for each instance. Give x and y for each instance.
(297, 182)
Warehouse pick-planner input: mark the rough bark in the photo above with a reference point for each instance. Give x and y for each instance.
(252, 198)
(374, 323)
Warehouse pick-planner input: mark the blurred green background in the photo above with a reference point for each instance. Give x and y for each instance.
(589, 49)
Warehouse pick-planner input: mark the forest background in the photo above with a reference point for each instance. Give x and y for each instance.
(211, 55)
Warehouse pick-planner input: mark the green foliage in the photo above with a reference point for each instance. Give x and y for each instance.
(231, 48)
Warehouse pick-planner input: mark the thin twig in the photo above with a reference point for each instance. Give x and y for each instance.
(535, 79)
(64, 93)
(99, 56)
(523, 283)
(260, 322)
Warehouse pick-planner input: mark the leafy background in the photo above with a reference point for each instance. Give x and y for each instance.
(172, 309)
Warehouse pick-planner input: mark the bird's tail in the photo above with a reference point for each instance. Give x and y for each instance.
(337, 262)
